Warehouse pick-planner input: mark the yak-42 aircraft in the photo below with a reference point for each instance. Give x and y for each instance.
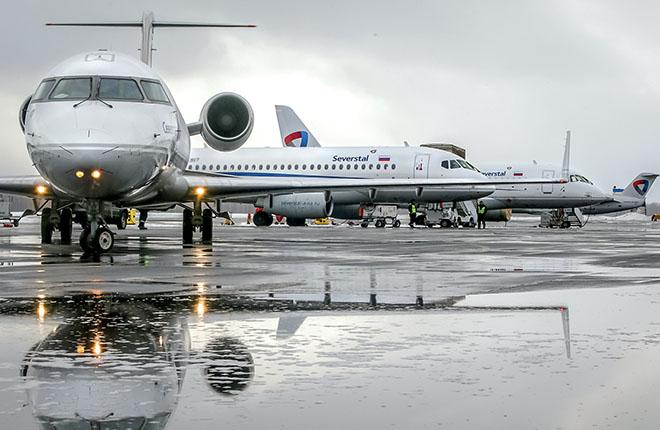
(105, 134)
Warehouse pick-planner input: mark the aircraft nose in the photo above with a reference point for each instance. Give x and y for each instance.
(100, 171)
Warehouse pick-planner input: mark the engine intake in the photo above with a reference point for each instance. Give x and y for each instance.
(303, 205)
(227, 120)
(499, 215)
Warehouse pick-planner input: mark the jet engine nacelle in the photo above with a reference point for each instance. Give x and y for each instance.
(227, 120)
(22, 112)
(303, 205)
(499, 215)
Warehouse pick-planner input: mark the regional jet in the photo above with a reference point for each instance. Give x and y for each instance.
(105, 134)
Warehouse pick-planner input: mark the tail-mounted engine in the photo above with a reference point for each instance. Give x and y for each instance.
(226, 121)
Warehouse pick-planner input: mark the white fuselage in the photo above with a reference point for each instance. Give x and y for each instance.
(577, 192)
(347, 163)
(408, 162)
(97, 128)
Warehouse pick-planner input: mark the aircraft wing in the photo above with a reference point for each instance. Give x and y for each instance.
(28, 186)
(212, 186)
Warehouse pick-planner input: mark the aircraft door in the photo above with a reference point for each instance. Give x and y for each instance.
(421, 166)
(547, 188)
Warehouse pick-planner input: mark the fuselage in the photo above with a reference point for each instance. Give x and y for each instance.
(104, 126)
(349, 163)
(577, 192)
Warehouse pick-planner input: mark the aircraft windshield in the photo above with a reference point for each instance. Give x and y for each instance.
(155, 91)
(119, 89)
(580, 178)
(72, 88)
(43, 89)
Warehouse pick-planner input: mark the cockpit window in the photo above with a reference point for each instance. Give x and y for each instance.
(445, 164)
(454, 164)
(580, 178)
(464, 164)
(472, 167)
(155, 92)
(119, 89)
(43, 89)
(72, 88)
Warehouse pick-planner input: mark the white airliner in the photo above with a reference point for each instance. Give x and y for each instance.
(105, 134)
(518, 194)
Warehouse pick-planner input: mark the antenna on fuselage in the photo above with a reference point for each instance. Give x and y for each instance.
(147, 25)
(566, 164)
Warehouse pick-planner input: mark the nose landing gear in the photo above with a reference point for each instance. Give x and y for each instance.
(100, 241)
(198, 220)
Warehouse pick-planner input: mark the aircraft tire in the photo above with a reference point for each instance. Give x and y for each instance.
(207, 226)
(66, 226)
(84, 240)
(46, 227)
(104, 240)
(187, 227)
(364, 224)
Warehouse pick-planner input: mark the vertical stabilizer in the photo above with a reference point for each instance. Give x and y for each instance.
(566, 163)
(293, 131)
(640, 186)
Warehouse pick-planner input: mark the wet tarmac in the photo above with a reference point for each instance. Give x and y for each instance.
(334, 327)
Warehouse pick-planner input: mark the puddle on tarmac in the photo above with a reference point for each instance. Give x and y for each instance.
(174, 362)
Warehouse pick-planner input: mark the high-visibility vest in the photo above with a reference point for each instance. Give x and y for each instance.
(481, 210)
(412, 209)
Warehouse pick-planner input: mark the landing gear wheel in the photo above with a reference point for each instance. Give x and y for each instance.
(122, 221)
(566, 224)
(207, 226)
(46, 226)
(66, 226)
(187, 227)
(262, 219)
(380, 223)
(445, 223)
(364, 224)
(396, 223)
(104, 240)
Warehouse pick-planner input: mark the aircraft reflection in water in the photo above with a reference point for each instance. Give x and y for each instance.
(117, 363)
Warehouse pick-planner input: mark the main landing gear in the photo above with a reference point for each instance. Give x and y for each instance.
(197, 220)
(262, 219)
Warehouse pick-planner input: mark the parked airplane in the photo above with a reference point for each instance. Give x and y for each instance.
(632, 197)
(518, 194)
(105, 134)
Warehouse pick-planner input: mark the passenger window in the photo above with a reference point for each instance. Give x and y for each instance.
(385, 166)
(311, 167)
(43, 89)
(238, 167)
(348, 167)
(275, 167)
(334, 166)
(377, 166)
(224, 167)
(341, 167)
(318, 166)
(295, 167)
(72, 88)
(196, 166)
(371, 166)
(217, 167)
(190, 167)
(289, 167)
(304, 166)
(364, 167)
(119, 89)
(282, 167)
(155, 92)
(393, 166)
(254, 167)
(267, 166)
(232, 167)
(261, 167)
(445, 164)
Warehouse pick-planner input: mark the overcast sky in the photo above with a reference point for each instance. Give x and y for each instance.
(504, 79)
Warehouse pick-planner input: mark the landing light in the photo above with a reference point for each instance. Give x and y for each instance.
(41, 189)
(200, 191)
(80, 174)
(96, 174)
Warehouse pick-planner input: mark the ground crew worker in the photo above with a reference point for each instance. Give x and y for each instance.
(412, 211)
(143, 219)
(481, 215)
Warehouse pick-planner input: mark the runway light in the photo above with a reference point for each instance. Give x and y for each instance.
(96, 174)
(41, 189)
(80, 174)
(200, 191)
(80, 349)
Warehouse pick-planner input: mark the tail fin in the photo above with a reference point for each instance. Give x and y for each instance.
(640, 186)
(292, 130)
